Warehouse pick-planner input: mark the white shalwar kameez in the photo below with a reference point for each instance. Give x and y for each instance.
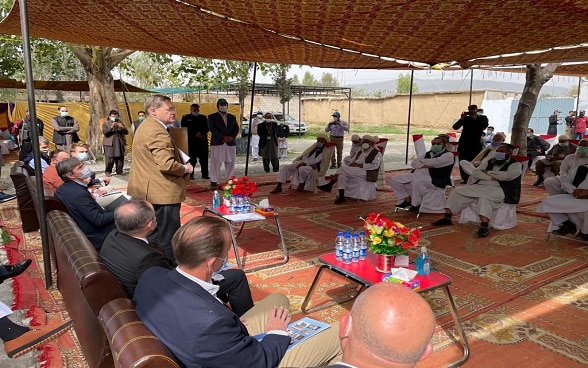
(299, 174)
(554, 184)
(347, 172)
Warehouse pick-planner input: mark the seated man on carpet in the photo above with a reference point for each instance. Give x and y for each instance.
(305, 167)
(181, 308)
(536, 146)
(355, 147)
(363, 166)
(488, 152)
(51, 179)
(553, 158)
(431, 170)
(389, 326)
(553, 185)
(127, 254)
(569, 211)
(44, 151)
(95, 221)
(498, 182)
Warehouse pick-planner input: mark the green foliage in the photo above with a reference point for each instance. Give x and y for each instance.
(6, 238)
(283, 83)
(328, 80)
(403, 85)
(309, 79)
(295, 80)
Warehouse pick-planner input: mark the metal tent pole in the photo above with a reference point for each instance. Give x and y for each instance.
(250, 115)
(409, 116)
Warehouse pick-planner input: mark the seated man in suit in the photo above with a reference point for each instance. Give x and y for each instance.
(488, 152)
(127, 254)
(44, 153)
(388, 326)
(364, 165)
(569, 211)
(181, 308)
(498, 182)
(553, 158)
(431, 170)
(304, 166)
(554, 185)
(95, 221)
(51, 179)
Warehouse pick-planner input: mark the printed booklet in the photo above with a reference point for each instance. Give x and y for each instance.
(301, 330)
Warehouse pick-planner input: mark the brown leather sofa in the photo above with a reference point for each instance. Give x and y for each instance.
(18, 173)
(131, 342)
(85, 284)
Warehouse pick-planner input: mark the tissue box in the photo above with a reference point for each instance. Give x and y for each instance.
(265, 211)
(413, 284)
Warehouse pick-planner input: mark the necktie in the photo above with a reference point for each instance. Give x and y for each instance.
(580, 175)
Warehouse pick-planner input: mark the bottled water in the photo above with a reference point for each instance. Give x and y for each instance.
(233, 206)
(423, 262)
(347, 249)
(216, 200)
(239, 208)
(246, 204)
(339, 246)
(362, 246)
(355, 248)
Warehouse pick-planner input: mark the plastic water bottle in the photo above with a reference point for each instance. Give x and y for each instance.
(423, 262)
(362, 246)
(215, 200)
(347, 249)
(233, 206)
(339, 246)
(246, 204)
(355, 248)
(239, 207)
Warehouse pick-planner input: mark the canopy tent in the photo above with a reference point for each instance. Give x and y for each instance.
(119, 85)
(357, 34)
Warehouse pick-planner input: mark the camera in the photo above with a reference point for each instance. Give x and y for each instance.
(466, 113)
(116, 120)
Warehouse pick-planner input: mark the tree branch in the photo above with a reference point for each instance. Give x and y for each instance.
(118, 55)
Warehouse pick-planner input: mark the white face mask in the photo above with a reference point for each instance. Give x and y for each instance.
(64, 113)
(260, 116)
(365, 146)
(267, 120)
(83, 156)
(222, 108)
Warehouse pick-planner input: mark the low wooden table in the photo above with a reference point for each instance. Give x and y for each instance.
(233, 219)
(364, 273)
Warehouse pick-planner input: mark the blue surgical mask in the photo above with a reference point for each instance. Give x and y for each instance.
(489, 132)
(320, 145)
(494, 144)
(64, 113)
(141, 118)
(82, 156)
(500, 156)
(86, 173)
(436, 148)
(113, 118)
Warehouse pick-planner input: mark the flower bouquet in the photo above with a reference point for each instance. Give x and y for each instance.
(389, 238)
(239, 186)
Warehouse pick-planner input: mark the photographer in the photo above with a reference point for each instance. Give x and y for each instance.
(114, 142)
(469, 146)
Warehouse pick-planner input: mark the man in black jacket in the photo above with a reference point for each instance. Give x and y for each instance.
(536, 146)
(470, 140)
(197, 125)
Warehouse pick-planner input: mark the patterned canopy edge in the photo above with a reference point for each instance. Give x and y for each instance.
(67, 85)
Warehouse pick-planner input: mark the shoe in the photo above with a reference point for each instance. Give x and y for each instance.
(464, 182)
(6, 197)
(414, 209)
(340, 200)
(442, 222)
(565, 229)
(581, 236)
(300, 188)
(338, 166)
(15, 269)
(266, 170)
(213, 184)
(276, 170)
(327, 187)
(205, 177)
(403, 204)
(255, 159)
(333, 167)
(538, 182)
(276, 190)
(482, 232)
(35, 337)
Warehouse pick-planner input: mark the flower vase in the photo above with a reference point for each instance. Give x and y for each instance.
(384, 263)
(227, 201)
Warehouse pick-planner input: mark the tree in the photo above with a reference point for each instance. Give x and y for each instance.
(309, 80)
(283, 83)
(295, 80)
(403, 85)
(98, 63)
(536, 77)
(328, 80)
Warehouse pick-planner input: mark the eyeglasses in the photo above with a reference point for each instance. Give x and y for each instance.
(171, 109)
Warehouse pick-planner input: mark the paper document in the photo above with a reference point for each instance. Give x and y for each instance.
(301, 330)
(249, 216)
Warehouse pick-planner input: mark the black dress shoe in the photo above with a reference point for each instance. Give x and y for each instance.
(538, 182)
(566, 228)
(213, 184)
(482, 232)
(414, 209)
(403, 204)
(442, 222)
(327, 187)
(340, 200)
(15, 269)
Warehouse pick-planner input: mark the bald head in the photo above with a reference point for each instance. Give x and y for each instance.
(135, 218)
(389, 326)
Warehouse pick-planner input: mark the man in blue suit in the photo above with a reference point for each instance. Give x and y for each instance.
(181, 308)
(223, 148)
(95, 221)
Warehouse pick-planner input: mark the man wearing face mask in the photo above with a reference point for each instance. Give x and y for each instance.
(268, 143)
(472, 125)
(127, 254)
(25, 134)
(44, 150)
(355, 148)
(114, 143)
(487, 153)
(197, 125)
(255, 121)
(431, 170)
(554, 185)
(303, 167)
(283, 134)
(498, 182)
(223, 148)
(489, 135)
(553, 158)
(95, 221)
(337, 129)
(65, 129)
(364, 164)
(140, 117)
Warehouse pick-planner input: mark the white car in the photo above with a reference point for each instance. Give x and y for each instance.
(295, 126)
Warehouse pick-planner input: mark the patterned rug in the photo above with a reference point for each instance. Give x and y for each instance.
(522, 298)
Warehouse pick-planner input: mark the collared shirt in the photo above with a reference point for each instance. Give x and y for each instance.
(337, 130)
(210, 288)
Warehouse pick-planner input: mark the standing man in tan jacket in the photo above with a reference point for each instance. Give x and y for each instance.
(158, 170)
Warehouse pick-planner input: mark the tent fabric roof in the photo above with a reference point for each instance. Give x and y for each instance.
(68, 85)
(327, 33)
